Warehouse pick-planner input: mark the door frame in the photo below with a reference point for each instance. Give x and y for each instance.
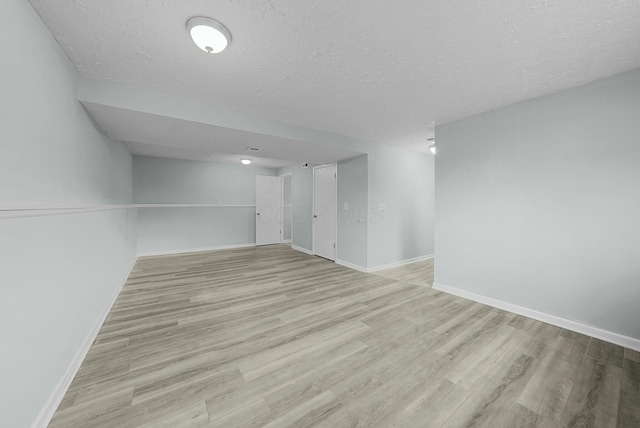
(313, 209)
(287, 174)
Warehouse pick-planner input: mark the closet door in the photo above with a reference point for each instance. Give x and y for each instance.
(268, 204)
(325, 211)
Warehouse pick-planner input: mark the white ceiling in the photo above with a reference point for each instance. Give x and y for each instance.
(163, 136)
(380, 70)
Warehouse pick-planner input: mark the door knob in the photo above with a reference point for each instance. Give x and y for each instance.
(315, 216)
(257, 213)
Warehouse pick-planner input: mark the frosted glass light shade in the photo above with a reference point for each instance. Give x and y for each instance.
(209, 35)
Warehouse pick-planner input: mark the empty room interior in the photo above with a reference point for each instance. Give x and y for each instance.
(320, 213)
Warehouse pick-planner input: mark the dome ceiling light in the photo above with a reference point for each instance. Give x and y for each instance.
(208, 34)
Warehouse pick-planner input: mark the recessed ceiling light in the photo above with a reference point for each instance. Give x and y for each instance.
(245, 161)
(209, 35)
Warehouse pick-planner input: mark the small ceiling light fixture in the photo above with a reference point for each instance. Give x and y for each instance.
(208, 34)
(432, 147)
(245, 161)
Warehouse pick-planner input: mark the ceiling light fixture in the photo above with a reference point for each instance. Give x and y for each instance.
(208, 34)
(432, 147)
(245, 161)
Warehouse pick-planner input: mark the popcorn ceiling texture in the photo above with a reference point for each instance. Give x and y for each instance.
(377, 70)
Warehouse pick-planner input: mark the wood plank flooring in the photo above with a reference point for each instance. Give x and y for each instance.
(272, 337)
(418, 273)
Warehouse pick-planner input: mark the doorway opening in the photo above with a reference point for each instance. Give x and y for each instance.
(287, 207)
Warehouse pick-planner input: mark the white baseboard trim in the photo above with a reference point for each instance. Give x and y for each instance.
(400, 263)
(196, 250)
(56, 396)
(608, 336)
(351, 265)
(304, 250)
(383, 267)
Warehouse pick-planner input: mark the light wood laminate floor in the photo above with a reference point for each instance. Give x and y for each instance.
(418, 273)
(272, 337)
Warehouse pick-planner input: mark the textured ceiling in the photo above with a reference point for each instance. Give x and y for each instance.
(381, 70)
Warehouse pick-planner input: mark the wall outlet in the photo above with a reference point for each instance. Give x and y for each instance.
(346, 205)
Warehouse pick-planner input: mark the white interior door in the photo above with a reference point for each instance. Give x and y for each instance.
(325, 211)
(268, 204)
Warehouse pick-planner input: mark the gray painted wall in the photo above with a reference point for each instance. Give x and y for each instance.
(173, 181)
(352, 221)
(404, 182)
(57, 273)
(179, 230)
(538, 204)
